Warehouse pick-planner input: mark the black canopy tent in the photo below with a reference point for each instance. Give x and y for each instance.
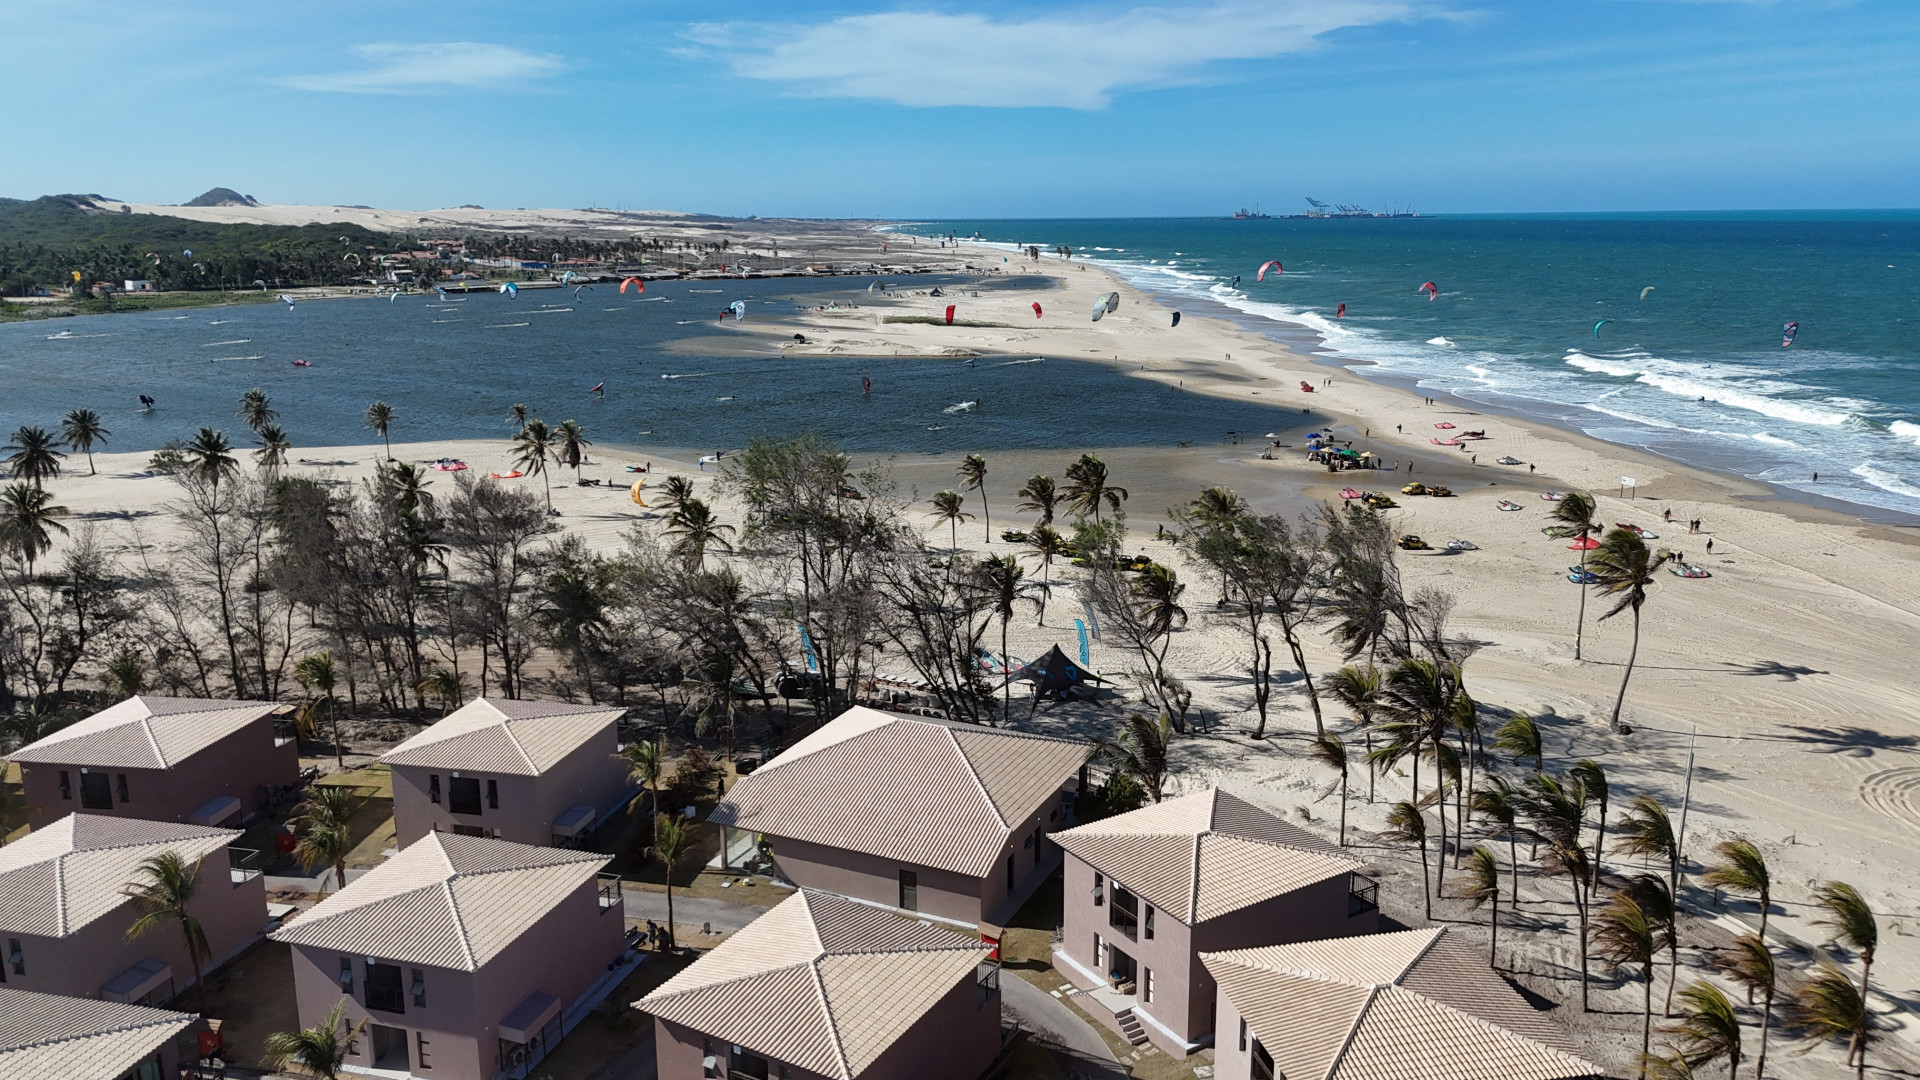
(1053, 675)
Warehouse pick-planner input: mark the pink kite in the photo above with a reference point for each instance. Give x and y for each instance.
(950, 308)
(638, 285)
(1262, 274)
(1036, 309)
(1444, 426)
(1432, 290)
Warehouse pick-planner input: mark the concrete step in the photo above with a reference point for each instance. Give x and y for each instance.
(1130, 1028)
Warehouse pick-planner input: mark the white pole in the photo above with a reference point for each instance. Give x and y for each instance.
(1686, 799)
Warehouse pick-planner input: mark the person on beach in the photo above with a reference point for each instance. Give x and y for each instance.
(1529, 468)
(1709, 545)
(1400, 428)
(1667, 515)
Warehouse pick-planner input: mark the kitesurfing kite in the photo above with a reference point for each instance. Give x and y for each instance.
(638, 285)
(950, 308)
(396, 295)
(1432, 290)
(578, 289)
(1262, 275)
(1644, 292)
(288, 299)
(1036, 309)
(599, 388)
(1176, 319)
(739, 309)
(866, 385)
(1340, 312)
(1787, 332)
(1598, 325)
(442, 291)
(1104, 303)
(508, 288)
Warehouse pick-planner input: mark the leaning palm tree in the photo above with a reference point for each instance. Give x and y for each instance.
(28, 519)
(1500, 803)
(380, 418)
(1142, 752)
(517, 416)
(1519, 738)
(1624, 935)
(645, 762)
(573, 445)
(1854, 926)
(319, 1050)
(1647, 830)
(1593, 778)
(1672, 1065)
(946, 507)
(972, 475)
(82, 430)
(674, 492)
(531, 449)
(1577, 510)
(1483, 886)
(1625, 568)
(694, 529)
(671, 840)
(272, 454)
(1749, 962)
(1828, 1006)
(1358, 688)
(163, 887)
(31, 455)
(209, 457)
(1039, 497)
(1328, 750)
(256, 410)
(999, 582)
(1406, 825)
(1044, 544)
(317, 676)
(445, 685)
(1088, 487)
(323, 829)
(1742, 869)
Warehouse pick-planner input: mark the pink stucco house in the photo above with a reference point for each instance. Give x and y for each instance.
(1146, 892)
(51, 1035)
(64, 916)
(944, 819)
(195, 760)
(534, 772)
(822, 987)
(464, 956)
(1409, 1005)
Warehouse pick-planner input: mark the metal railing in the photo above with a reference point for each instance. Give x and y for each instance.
(1363, 895)
(612, 893)
(243, 863)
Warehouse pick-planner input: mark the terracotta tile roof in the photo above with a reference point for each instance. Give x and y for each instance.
(904, 788)
(820, 981)
(1412, 1005)
(146, 732)
(48, 1035)
(445, 900)
(499, 735)
(1201, 856)
(58, 879)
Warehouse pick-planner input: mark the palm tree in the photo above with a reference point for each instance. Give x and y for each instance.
(1669, 1066)
(323, 829)
(163, 886)
(1709, 1028)
(1828, 1006)
(272, 455)
(1577, 510)
(1039, 497)
(1499, 803)
(444, 684)
(1406, 825)
(1625, 568)
(1854, 926)
(28, 520)
(1520, 739)
(946, 507)
(1141, 752)
(1358, 688)
(317, 676)
(531, 449)
(999, 580)
(972, 475)
(517, 416)
(645, 762)
(1749, 962)
(674, 491)
(671, 839)
(573, 445)
(81, 430)
(1328, 750)
(1044, 543)
(1624, 935)
(31, 455)
(318, 1050)
(380, 418)
(694, 529)
(1647, 830)
(1593, 779)
(256, 410)
(404, 487)
(209, 457)
(126, 674)
(1742, 869)
(1088, 487)
(1483, 886)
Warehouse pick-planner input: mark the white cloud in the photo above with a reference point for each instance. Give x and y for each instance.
(1075, 61)
(393, 68)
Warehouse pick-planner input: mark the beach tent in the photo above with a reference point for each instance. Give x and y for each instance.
(1054, 675)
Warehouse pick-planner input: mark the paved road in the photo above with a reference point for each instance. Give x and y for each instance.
(690, 912)
(1049, 1019)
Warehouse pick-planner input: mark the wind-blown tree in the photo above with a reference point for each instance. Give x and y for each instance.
(1576, 511)
(517, 416)
(274, 447)
(1406, 825)
(319, 1050)
(1854, 926)
(1827, 1005)
(1039, 496)
(1624, 936)
(1709, 1028)
(1593, 778)
(674, 492)
(163, 887)
(1141, 752)
(1358, 688)
(31, 455)
(1328, 750)
(445, 685)
(28, 519)
(646, 760)
(1501, 804)
(1266, 567)
(1647, 830)
(1519, 738)
(256, 410)
(1555, 810)
(573, 443)
(531, 449)
(317, 675)
(82, 430)
(1419, 699)
(1365, 606)
(1625, 568)
(1141, 612)
(972, 475)
(1089, 487)
(935, 614)
(1654, 898)
(1749, 962)
(323, 829)
(209, 459)
(125, 675)
(694, 528)
(947, 508)
(1742, 869)
(380, 419)
(671, 839)
(1000, 580)
(1045, 544)
(1483, 887)
(491, 532)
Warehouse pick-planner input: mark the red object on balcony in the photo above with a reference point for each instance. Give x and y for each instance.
(209, 1043)
(993, 941)
(285, 842)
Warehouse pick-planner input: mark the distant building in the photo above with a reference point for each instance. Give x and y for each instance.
(132, 285)
(64, 912)
(947, 820)
(822, 986)
(1146, 892)
(464, 956)
(203, 761)
(534, 772)
(50, 1035)
(1410, 1005)
(400, 277)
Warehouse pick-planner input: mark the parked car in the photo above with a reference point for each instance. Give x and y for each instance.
(1439, 491)
(1415, 488)
(1411, 542)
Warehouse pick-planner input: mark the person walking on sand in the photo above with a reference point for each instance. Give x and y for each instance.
(1667, 515)
(1529, 468)
(1709, 545)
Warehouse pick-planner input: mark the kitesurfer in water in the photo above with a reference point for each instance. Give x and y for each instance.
(866, 385)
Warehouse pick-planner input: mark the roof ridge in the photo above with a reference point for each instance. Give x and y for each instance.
(146, 728)
(1359, 1016)
(1302, 849)
(506, 726)
(833, 1024)
(60, 892)
(1489, 1025)
(1193, 884)
(980, 785)
(1438, 933)
(167, 1018)
(761, 973)
(460, 924)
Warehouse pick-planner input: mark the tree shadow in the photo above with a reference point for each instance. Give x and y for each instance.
(1841, 738)
(1785, 672)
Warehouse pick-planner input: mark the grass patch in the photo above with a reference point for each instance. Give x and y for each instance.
(253, 998)
(614, 1028)
(123, 303)
(935, 320)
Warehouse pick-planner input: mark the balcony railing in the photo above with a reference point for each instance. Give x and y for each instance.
(243, 865)
(1363, 895)
(611, 894)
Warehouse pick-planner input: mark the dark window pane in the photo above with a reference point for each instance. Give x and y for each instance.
(910, 890)
(384, 990)
(463, 795)
(96, 791)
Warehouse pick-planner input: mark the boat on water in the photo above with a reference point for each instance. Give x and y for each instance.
(1244, 214)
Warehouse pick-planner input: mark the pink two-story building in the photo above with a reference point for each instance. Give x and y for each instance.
(53, 1036)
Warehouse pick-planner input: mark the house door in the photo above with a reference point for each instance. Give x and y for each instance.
(390, 1048)
(1122, 970)
(96, 791)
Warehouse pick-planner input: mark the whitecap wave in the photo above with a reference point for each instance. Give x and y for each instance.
(1440, 341)
(1905, 430)
(1886, 481)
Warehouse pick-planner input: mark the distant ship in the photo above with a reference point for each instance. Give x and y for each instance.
(1243, 214)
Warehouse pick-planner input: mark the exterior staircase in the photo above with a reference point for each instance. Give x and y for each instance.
(1130, 1028)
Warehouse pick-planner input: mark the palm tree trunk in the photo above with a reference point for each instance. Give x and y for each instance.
(1343, 806)
(1006, 684)
(986, 514)
(340, 875)
(1580, 909)
(1632, 654)
(548, 482)
(671, 940)
(1766, 1021)
(339, 752)
(1859, 1044)
(91, 471)
(1426, 886)
(1513, 866)
(1580, 621)
(1440, 807)
(1673, 949)
(1493, 932)
(1599, 839)
(1372, 770)
(1646, 1029)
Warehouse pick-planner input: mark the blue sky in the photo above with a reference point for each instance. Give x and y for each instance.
(934, 108)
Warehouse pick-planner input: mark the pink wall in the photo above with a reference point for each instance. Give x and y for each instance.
(1230, 1060)
(593, 774)
(236, 765)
